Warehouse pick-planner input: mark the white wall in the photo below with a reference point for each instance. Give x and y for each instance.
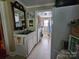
(62, 16)
(4, 24)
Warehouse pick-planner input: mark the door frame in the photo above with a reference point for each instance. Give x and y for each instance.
(4, 25)
(36, 17)
(1, 32)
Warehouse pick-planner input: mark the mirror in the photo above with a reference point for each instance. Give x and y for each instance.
(19, 16)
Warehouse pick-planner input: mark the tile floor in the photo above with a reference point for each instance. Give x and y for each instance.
(42, 50)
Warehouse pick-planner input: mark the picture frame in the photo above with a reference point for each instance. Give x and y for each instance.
(73, 41)
(30, 23)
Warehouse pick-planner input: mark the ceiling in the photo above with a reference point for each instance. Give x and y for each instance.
(35, 2)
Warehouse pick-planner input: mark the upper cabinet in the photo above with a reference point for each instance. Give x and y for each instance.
(18, 16)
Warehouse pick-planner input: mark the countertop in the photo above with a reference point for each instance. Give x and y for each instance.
(23, 33)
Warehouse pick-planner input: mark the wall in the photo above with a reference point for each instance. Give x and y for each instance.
(30, 15)
(4, 25)
(8, 24)
(62, 16)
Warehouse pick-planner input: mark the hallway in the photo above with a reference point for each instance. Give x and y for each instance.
(42, 50)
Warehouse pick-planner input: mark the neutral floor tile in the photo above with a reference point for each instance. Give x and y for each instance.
(42, 50)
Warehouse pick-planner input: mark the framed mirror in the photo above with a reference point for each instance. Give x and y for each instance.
(19, 16)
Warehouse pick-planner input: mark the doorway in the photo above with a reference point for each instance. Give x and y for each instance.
(44, 26)
(44, 31)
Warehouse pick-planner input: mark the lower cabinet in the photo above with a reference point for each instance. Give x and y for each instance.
(25, 43)
(21, 46)
(32, 41)
(30, 45)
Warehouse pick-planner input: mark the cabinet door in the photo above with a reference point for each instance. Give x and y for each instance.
(26, 45)
(34, 39)
(30, 43)
(20, 45)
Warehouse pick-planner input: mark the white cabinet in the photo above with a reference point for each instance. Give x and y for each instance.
(21, 45)
(30, 44)
(32, 41)
(25, 43)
